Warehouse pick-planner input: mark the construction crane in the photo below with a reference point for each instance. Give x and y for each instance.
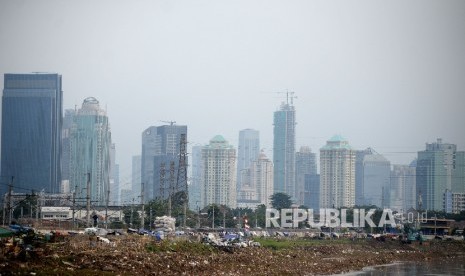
(289, 95)
(169, 122)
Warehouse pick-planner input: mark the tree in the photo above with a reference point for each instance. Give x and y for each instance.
(281, 201)
(135, 223)
(260, 214)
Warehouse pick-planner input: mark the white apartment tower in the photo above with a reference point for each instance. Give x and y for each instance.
(219, 173)
(262, 179)
(337, 174)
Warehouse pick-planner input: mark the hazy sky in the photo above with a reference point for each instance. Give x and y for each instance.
(384, 74)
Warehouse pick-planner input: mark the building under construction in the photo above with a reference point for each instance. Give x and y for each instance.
(284, 148)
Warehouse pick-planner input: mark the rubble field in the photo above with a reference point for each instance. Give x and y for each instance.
(143, 255)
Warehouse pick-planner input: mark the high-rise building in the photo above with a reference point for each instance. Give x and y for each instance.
(90, 144)
(114, 177)
(376, 179)
(68, 121)
(160, 147)
(196, 179)
(136, 176)
(438, 172)
(359, 196)
(247, 152)
(284, 150)
(403, 189)
(32, 110)
(126, 196)
(458, 173)
(305, 163)
(312, 191)
(261, 179)
(337, 174)
(219, 173)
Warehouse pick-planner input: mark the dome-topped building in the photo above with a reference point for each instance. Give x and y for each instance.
(91, 106)
(90, 145)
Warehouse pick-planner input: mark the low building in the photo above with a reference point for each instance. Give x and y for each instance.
(435, 226)
(55, 213)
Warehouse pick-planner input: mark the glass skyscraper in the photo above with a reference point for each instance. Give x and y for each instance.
(196, 179)
(160, 145)
(305, 163)
(438, 170)
(90, 145)
(68, 121)
(376, 180)
(32, 109)
(284, 150)
(247, 152)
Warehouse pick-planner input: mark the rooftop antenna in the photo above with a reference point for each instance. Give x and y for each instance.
(289, 95)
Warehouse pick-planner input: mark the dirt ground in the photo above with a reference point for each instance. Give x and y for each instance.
(142, 255)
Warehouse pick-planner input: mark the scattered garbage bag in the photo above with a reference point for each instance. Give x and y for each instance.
(159, 235)
(19, 228)
(165, 224)
(95, 231)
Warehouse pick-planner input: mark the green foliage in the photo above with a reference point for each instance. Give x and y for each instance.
(288, 243)
(135, 223)
(116, 225)
(260, 214)
(180, 246)
(281, 201)
(159, 207)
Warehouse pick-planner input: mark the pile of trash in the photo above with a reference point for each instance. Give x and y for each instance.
(164, 223)
(229, 240)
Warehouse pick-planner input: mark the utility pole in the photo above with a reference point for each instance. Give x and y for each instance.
(224, 218)
(10, 188)
(142, 221)
(198, 216)
(74, 206)
(4, 207)
(150, 218)
(132, 206)
(37, 210)
(213, 221)
(162, 181)
(106, 209)
(88, 200)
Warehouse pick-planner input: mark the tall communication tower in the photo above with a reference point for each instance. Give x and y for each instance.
(181, 182)
(171, 188)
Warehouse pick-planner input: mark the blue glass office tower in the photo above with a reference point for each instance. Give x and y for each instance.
(31, 131)
(160, 145)
(284, 150)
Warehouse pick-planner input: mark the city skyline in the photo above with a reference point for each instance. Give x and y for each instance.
(384, 75)
(33, 112)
